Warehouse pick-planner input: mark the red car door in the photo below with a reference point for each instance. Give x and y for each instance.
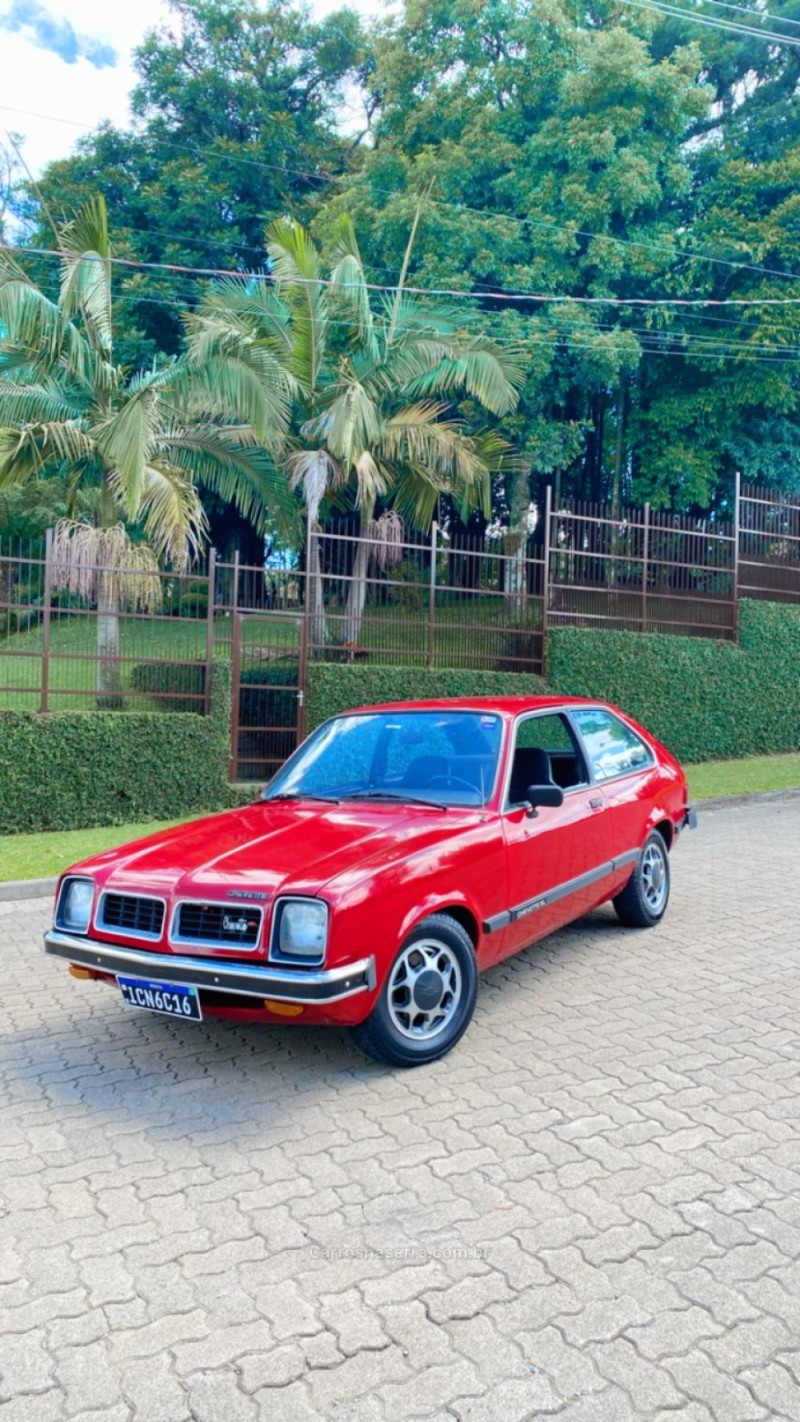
(552, 858)
(624, 768)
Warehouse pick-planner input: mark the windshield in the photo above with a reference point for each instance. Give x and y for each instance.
(439, 757)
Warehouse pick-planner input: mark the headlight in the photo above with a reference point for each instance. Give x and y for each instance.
(302, 929)
(75, 905)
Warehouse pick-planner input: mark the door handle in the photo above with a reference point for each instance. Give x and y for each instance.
(596, 802)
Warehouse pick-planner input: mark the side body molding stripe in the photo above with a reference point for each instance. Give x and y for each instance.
(560, 891)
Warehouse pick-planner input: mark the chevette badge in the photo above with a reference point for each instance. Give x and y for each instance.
(236, 925)
(246, 894)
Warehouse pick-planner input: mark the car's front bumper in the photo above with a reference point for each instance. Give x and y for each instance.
(689, 820)
(245, 980)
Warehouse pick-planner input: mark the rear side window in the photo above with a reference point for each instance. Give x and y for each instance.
(612, 748)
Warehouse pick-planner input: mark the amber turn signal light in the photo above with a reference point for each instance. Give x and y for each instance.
(283, 1009)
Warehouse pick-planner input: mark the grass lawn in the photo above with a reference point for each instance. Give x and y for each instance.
(38, 856)
(743, 777)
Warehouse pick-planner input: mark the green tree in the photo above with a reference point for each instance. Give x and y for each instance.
(142, 443)
(373, 390)
(235, 108)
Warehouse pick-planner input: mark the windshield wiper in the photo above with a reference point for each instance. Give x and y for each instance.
(304, 795)
(391, 795)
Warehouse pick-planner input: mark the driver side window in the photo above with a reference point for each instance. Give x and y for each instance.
(544, 753)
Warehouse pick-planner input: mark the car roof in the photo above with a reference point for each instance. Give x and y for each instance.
(503, 705)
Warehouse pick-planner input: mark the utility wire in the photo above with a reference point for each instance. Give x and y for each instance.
(448, 293)
(675, 12)
(458, 207)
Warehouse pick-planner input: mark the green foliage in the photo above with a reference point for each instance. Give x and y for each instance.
(75, 769)
(174, 686)
(610, 153)
(333, 688)
(704, 699)
(268, 694)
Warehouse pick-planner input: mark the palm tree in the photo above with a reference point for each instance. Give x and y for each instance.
(372, 407)
(141, 442)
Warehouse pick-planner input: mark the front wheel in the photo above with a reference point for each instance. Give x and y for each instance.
(643, 901)
(428, 998)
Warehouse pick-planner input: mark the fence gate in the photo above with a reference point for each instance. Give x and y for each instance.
(268, 656)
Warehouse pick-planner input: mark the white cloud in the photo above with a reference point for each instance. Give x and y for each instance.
(36, 80)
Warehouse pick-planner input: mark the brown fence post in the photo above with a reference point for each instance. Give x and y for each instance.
(432, 593)
(48, 608)
(737, 515)
(212, 565)
(645, 564)
(548, 511)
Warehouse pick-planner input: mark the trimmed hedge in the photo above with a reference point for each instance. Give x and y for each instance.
(706, 700)
(76, 769)
(333, 687)
(174, 686)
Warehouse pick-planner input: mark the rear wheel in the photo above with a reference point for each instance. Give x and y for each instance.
(643, 901)
(428, 998)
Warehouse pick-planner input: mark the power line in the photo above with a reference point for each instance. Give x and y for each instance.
(725, 26)
(651, 340)
(457, 207)
(448, 293)
(759, 14)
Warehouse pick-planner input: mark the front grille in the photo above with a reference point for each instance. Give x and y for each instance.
(130, 914)
(237, 927)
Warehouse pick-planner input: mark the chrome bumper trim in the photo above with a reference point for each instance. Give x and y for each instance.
(246, 979)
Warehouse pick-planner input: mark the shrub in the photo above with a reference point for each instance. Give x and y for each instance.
(75, 769)
(174, 686)
(333, 687)
(704, 699)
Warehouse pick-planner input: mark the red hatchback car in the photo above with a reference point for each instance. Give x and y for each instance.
(401, 850)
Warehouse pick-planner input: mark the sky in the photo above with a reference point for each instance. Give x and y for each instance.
(70, 63)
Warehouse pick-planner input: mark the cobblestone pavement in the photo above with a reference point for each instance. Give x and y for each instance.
(590, 1210)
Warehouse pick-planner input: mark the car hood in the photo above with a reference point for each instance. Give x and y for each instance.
(272, 847)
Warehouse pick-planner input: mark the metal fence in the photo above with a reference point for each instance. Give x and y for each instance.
(445, 601)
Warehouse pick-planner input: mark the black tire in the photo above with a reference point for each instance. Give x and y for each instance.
(437, 948)
(643, 901)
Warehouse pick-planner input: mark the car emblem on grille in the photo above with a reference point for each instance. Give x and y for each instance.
(236, 925)
(246, 894)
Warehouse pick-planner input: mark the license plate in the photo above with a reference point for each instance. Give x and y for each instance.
(173, 999)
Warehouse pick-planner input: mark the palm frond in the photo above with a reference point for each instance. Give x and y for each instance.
(416, 495)
(316, 472)
(250, 307)
(440, 449)
(227, 461)
(36, 402)
(351, 422)
(174, 519)
(349, 287)
(28, 452)
(230, 377)
(34, 333)
(86, 272)
(125, 438)
(494, 375)
(296, 273)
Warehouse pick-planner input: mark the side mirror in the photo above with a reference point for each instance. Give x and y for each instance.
(549, 796)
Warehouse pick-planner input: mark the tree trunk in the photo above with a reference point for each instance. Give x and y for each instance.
(109, 667)
(109, 670)
(357, 596)
(319, 622)
(516, 543)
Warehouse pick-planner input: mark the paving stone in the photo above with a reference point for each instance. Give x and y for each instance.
(589, 1211)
